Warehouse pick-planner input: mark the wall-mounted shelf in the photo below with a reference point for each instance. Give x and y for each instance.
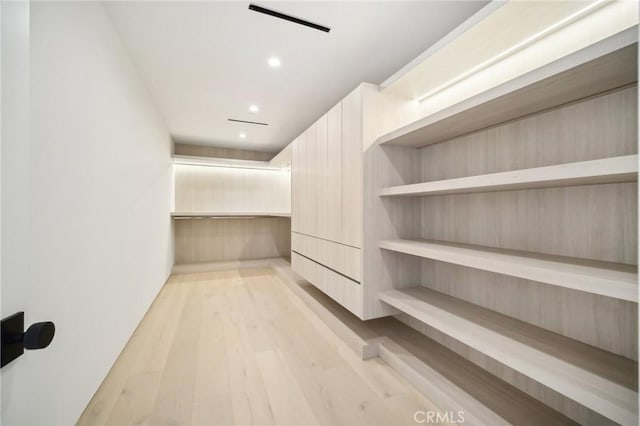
(603, 66)
(224, 162)
(607, 170)
(226, 215)
(603, 278)
(594, 378)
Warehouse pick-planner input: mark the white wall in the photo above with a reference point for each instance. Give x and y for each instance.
(99, 240)
(14, 32)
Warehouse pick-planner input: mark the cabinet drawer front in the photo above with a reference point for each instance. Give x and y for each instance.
(343, 290)
(343, 259)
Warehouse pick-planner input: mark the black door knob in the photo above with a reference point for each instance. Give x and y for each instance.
(39, 335)
(15, 340)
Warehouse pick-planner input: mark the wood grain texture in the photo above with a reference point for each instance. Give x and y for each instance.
(213, 240)
(218, 152)
(599, 127)
(597, 222)
(455, 384)
(322, 177)
(387, 218)
(254, 349)
(344, 259)
(313, 178)
(528, 350)
(343, 290)
(593, 172)
(222, 189)
(296, 186)
(554, 400)
(385, 166)
(591, 222)
(606, 323)
(460, 384)
(606, 279)
(352, 133)
(334, 173)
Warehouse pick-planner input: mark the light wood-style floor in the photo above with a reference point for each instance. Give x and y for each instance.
(238, 347)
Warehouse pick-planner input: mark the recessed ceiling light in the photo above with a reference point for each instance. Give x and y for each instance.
(243, 135)
(274, 62)
(253, 108)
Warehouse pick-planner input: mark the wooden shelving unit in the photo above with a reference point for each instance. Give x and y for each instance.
(536, 353)
(563, 314)
(596, 69)
(606, 279)
(606, 170)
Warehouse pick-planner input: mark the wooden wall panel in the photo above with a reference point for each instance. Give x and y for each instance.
(216, 240)
(322, 168)
(217, 152)
(223, 189)
(600, 127)
(334, 173)
(604, 322)
(296, 187)
(303, 188)
(352, 169)
(595, 222)
(312, 180)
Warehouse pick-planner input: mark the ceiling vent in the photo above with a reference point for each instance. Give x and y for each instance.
(247, 122)
(289, 18)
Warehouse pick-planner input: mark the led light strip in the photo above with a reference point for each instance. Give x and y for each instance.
(515, 48)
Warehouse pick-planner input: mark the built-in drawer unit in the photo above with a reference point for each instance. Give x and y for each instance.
(345, 260)
(343, 290)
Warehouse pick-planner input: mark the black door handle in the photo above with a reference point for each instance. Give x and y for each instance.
(15, 340)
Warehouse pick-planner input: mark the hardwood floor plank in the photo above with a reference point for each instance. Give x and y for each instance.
(239, 347)
(290, 407)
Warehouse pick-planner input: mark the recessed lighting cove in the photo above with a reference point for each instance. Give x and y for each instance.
(274, 62)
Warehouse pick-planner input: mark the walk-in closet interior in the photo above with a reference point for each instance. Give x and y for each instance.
(323, 212)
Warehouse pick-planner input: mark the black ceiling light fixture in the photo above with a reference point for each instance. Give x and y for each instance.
(247, 122)
(289, 18)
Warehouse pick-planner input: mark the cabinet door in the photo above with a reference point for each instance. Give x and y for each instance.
(321, 177)
(303, 188)
(312, 180)
(295, 185)
(334, 174)
(352, 169)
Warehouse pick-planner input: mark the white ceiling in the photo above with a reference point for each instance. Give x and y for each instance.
(205, 62)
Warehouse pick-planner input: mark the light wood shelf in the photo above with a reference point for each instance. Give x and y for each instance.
(603, 66)
(601, 381)
(603, 278)
(228, 215)
(607, 170)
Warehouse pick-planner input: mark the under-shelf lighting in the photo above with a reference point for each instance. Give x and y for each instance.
(225, 163)
(515, 48)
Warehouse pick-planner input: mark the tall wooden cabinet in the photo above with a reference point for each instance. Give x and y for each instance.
(327, 200)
